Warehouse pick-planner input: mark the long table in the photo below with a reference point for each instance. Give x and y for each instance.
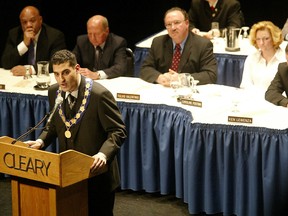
(192, 152)
(230, 64)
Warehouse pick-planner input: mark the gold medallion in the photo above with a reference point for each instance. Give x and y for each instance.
(67, 134)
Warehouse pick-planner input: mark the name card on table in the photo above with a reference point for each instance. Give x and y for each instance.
(191, 102)
(2, 86)
(128, 96)
(240, 119)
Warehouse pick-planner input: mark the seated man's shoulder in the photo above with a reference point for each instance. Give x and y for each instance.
(230, 2)
(200, 39)
(50, 29)
(161, 38)
(116, 37)
(82, 37)
(283, 67)
(16, 30)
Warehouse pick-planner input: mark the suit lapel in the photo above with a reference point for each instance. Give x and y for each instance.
(107, 50)
(41, 45)
(80, 97)
(186, 52)
(168, 52)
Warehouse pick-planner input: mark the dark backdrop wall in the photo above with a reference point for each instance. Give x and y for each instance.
(132, 19)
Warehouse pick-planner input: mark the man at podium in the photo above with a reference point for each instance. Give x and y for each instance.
(86, 119)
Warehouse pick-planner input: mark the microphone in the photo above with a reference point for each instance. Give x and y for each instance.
(58, 101)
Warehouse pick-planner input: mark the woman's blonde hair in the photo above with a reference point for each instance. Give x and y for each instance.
(274, 30)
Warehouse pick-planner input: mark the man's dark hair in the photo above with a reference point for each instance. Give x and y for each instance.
(63, 56)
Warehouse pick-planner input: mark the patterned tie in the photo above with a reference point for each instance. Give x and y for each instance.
(71, 101)
(31, 54)
(97, 60)
(176, 58)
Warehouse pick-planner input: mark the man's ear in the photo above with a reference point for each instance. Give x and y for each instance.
(77, 67)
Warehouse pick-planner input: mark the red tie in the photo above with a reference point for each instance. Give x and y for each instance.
(212, 8)
(176, 58)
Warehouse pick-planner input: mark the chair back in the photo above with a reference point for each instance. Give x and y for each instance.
(130, 63)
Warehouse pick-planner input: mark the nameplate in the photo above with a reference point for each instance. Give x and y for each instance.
(128, 96)
(240, 119)
(191, 102)
(2, 86)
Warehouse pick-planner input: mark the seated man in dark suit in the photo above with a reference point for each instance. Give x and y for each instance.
(279, 84)
(196, 56)
(31, 42)
(203, 12)
(285, 31)
(100, 53)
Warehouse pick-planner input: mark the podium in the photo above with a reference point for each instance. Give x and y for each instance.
(45, 183)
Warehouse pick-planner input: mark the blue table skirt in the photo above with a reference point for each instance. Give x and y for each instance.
(20, 112)
(230, 67)
(213, 168)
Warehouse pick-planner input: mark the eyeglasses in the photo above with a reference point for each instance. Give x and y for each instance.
(175, 23)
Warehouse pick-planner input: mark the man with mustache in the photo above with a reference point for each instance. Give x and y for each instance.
(196, 53)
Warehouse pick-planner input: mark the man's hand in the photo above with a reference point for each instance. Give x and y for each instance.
(99, 162)
(18, 70)
(196, 31)
(29, 35)
(89, 74)
(164, 79)
(34, 144)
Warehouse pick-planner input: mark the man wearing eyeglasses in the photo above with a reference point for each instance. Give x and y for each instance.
(179, 51)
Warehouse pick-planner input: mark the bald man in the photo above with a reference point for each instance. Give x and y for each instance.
(45, 39)
(100, 53)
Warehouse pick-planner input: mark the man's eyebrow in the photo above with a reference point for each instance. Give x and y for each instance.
(64, 71)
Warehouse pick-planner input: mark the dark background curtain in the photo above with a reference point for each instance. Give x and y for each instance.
(134, 20)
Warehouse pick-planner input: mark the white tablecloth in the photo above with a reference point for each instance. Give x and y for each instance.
(217, 100)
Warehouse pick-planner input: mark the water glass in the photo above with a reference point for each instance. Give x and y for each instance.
(43, 77)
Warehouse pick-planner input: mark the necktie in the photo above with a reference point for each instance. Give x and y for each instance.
(71, 101)
(31, 54)
(176, 58)
(97, 60)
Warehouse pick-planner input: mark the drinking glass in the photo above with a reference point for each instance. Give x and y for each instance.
(236, 100)
(185, 89)
(215, 29)
(43, 77)
(27, 73)
(174, 83)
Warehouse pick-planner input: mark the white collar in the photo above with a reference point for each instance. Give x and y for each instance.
(74, 93)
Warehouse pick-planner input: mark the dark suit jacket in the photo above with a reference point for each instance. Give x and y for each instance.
(197, 58)
(114, 58)
(227, 13)
(100, 129)
(50, 40)
(279, 85)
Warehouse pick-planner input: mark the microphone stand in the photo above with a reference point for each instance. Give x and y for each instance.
(30, 130)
